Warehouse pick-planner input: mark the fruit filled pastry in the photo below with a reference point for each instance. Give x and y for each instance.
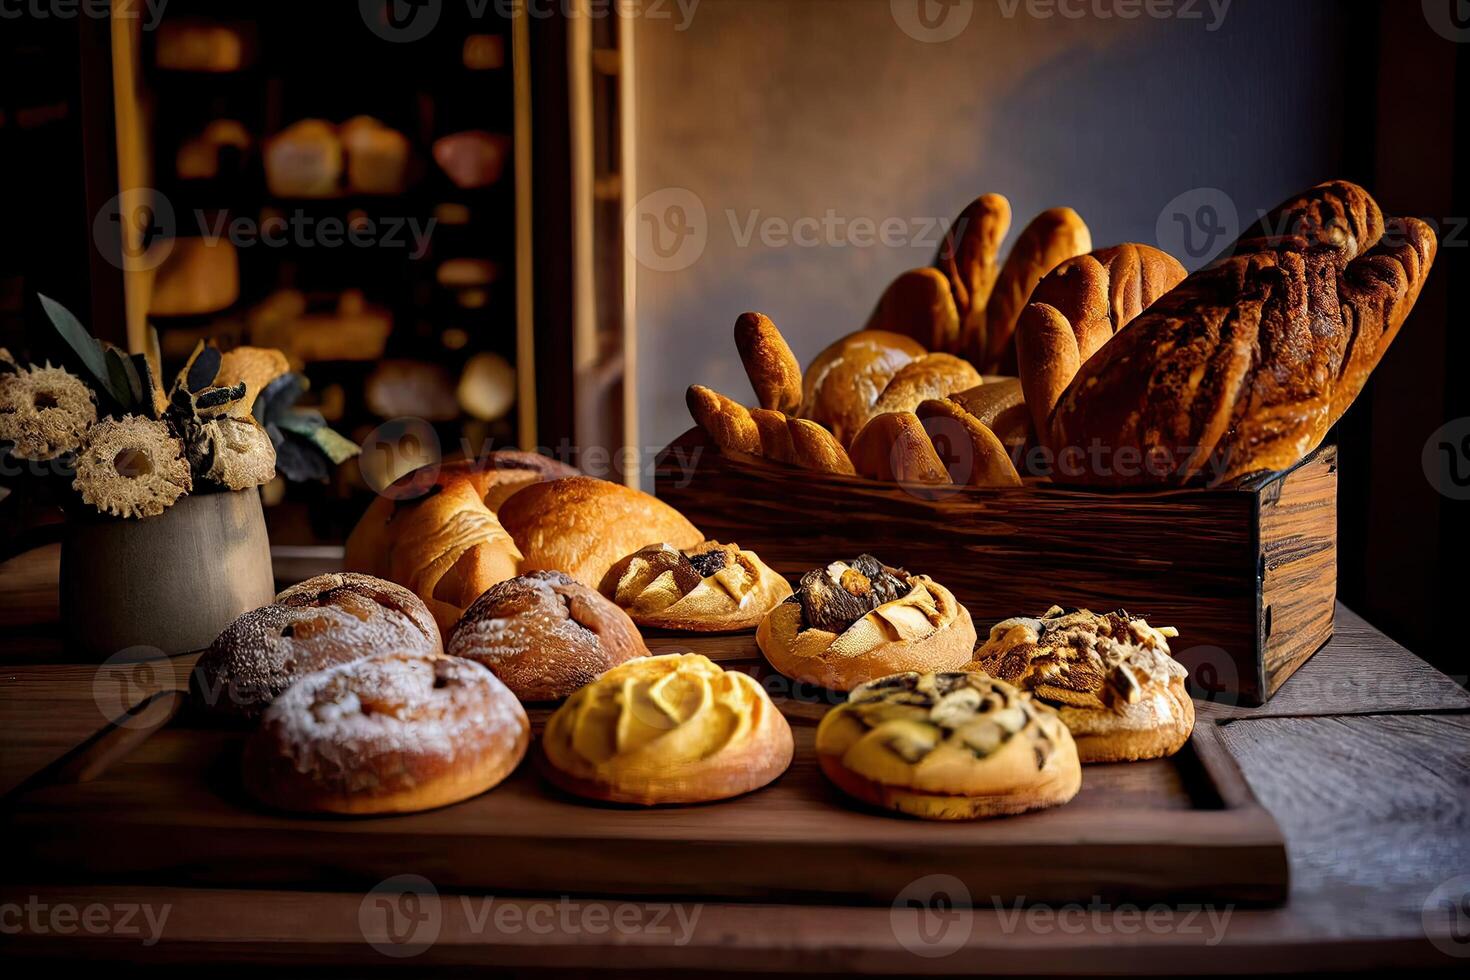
(949, 746)
(851, 622)
(1111, 677)
(670, 729)
(709, 588)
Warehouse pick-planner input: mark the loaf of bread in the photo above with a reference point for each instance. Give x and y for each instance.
(1245, 365)
(1076, 309)
(919, 304)
(930, 376)
(969, 259)
(1051, 238)
(971, 452)
(710, 588)
(774, 371)
(843, 383)
(893, 447)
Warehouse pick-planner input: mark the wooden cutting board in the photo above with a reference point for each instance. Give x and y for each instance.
(160, 801)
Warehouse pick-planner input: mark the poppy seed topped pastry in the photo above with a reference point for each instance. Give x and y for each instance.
(1110, 676)
(948, 746)
(323, 621)
(670, 729)
(709, 588)
(851, 622)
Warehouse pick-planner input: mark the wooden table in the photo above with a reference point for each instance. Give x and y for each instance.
(1363, 758)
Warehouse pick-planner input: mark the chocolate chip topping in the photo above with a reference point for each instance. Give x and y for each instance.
(709, 562)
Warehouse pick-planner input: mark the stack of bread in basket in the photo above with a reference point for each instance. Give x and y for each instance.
(477, 587)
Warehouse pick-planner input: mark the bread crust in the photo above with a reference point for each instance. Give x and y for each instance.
(844, 381)
(581, 526)
(816, 449)
(972, 454)
(727, 421)
(775, 435)
(663, 730)
(969, 259)
(930, 376)
(999, 404)
(392, 733)
(948, 746)
(919, 304)
(774, 372)
(732, 599)
(893, 447)
(841, 662)
(545, 635)
(315, 624)
(1053, 236)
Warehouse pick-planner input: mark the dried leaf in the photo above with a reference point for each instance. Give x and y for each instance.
(79, 340)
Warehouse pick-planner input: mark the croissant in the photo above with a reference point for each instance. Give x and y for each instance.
(1245, 365)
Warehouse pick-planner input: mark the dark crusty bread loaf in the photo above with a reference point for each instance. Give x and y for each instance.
(1245, 365)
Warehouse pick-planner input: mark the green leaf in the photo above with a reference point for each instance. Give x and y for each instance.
(302, 421)
(337, 448)
(78, 339)
(126, 385)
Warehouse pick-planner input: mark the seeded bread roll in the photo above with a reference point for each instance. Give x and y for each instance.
(774, 372)
(855, 621)
(581, 526)
(894, 447)
(710, 588)
(727, 421)
(327, 620)
(948, 746)
(919, 304)
(545, 635)
(1111, 677)
(392, 733)
(670, 729)
(844, 381)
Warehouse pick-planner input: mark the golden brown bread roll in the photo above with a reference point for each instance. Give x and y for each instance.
(851, 622)
(545, 635)
(392, 733)
(494, 477)
(919, 304)
(844, 381)
(1245, 365)
(948, 746)
(670, 729)
(710, 588)
(1000, 405)
(1052, 237)
(774, 429)
(968, 259)
(774, 371)
(969, 451)
(894, 447)
(1111, 678)
(930, 376)
(326, 620)
(727, 421)
(581, 526)
(1076, 309)
(817, 449)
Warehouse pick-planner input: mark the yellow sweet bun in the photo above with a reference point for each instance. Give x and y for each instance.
(925, 630)
(710, 588)
(1110, 676)
(955, 745)
(671, 729)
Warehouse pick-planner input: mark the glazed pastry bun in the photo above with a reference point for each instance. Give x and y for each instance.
(948, 746)
(326, 620)
(852, 622)
(581, 526)
(710, 588)
(670, 729)
(544, 634)
(391, 733)
(1111, 677)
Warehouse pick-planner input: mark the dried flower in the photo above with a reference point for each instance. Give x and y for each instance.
(240, 453)
(44, 411)
(132, 467)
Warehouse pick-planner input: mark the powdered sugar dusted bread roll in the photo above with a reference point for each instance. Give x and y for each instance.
(852, 622)
(710, 588)
(393, 733)
(545, 635)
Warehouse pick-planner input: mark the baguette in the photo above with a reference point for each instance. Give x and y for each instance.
(774, 372)
(921, 305)
(894, 447)
(969, 260)
(727, 421)
(971, 452)
(1051, 238)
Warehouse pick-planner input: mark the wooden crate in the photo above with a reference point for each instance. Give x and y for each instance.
(154, 799)
(1247, 573)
